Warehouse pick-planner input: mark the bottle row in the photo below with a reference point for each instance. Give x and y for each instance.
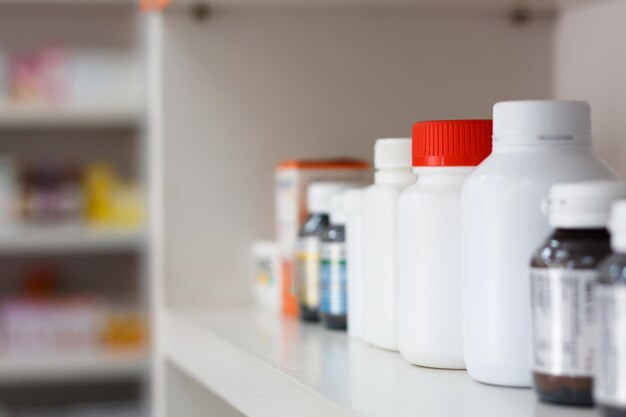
(438, 258)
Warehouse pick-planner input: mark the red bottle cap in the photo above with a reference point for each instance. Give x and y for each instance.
(451, 142)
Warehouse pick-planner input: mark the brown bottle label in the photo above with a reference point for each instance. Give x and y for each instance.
(610, 381)
(563, 321)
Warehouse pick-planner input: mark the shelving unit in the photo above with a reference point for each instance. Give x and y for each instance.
(105, 366)
(102, 122)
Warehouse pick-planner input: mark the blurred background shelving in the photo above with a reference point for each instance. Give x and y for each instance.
(73, 241)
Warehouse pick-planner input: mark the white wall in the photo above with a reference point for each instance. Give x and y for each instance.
(244, 90)
(590, 64)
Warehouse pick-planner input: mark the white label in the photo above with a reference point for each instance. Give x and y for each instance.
(610, 380)
(563, 321)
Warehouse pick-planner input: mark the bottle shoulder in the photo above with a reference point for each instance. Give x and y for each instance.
(584, 251)
(540, 165)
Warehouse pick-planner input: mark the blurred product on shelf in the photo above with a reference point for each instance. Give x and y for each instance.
(109, 200)
(36, 327)
(563, 272)
(265, 275)
(307, 260)
(291, 181)
(44, 318)
(39, 76)
(609, 383)
(430, 281)
(50, 193)
(56, 75)
(536, 144)
(392, 162)
(333, 268)
(124, 328)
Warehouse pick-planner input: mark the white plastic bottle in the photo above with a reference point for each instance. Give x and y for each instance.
(430, 284)
(536, 144)
(353, 202)
(392, 161)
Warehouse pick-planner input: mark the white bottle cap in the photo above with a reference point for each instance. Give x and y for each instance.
(582, 205)
(541, 122)
(392, 153)
(320, 193)
(617, 226)
(338, 214)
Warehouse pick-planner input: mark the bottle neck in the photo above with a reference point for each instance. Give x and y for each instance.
(442, 174)
(540, 146)
(596, 233)
(395, 176)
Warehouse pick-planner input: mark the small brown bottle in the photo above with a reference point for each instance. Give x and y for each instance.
(563, 273)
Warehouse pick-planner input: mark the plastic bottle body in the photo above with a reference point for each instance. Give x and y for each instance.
(353, 201)
(379, 262)
(430, 284)
(502, 224)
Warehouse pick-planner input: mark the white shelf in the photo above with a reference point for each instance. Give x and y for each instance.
(36, 117)
(264, 365)
(95, 367)
(69, 239)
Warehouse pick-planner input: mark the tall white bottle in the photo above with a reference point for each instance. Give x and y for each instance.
(353, 204)
(430, 282)
(536, 144)
(392, 161)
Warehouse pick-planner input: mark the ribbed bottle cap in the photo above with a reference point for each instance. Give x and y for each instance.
(541, 121)
(617, 226)
(319, 194)
(451, 142)
(392, 153)
(582, 205)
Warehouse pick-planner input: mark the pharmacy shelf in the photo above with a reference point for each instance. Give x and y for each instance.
(57, 369)
(38, 117)
(68, 239)
(265, 365)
